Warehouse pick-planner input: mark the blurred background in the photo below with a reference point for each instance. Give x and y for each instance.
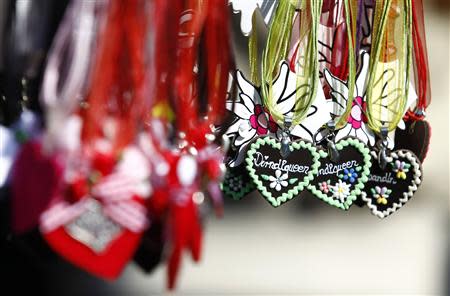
(304, 247)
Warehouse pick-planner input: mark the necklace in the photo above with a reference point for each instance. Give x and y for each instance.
(184, 172)
(395, 175)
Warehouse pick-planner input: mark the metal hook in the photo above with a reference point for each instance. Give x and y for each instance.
(382, 145)
(333, 153)
(286, 138)
(314, 138)
(226, 143)
(420, 112)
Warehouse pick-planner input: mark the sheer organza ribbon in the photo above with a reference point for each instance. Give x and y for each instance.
(277, 49)
(70, 54)
(390, 61)
(340, 18)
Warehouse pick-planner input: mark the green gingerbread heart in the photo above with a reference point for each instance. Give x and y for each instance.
(340, 182)
(281, 179)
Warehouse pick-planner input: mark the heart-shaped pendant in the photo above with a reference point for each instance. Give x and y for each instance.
(237, 183)
(390, 188)
(415, 138)
(280, 179)
(97, 219)
(340, 182)
(102, 248)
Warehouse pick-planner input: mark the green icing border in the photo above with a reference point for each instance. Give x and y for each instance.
(365, 151)
(249, 187)
(290, 194)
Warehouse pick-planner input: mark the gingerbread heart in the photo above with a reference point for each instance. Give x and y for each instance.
(415, 138)
(237, 183)
(340, 182)
(281, 179)
(389, 189)
(35, 179)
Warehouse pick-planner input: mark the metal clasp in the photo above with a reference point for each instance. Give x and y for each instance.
(333, 153)
(286, 137)
(420, 112)
(383, 148)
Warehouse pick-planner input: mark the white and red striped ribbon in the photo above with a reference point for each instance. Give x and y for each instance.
(115, 192)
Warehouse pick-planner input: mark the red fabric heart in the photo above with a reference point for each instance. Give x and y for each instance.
(107, 265)
(35, 179)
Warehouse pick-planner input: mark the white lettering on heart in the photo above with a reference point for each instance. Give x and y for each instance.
(387, 178)
(331, 169)
(262, 161)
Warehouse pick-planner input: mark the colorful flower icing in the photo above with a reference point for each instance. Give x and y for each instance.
(340, 190)
(278, 181)
(401, 168)
(324, 187)
(381, 194)
(350, 175)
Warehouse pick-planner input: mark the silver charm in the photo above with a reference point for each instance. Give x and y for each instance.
(93, 228)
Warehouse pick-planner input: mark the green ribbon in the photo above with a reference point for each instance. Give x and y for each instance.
(390, 63)
(351, 14)
(253, 53)
(307, 76)
(277, 48)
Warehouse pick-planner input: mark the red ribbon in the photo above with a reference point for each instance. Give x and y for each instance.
(421, 68)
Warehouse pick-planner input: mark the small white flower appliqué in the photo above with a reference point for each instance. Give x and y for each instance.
(341, 190)
(278, 181)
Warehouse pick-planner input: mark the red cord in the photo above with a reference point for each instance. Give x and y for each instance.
(208, 30)
(421, 67)
(136, 24)
(119, 75)
(166, 27)
(218, 58)
(186, 105)
(103, 74)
